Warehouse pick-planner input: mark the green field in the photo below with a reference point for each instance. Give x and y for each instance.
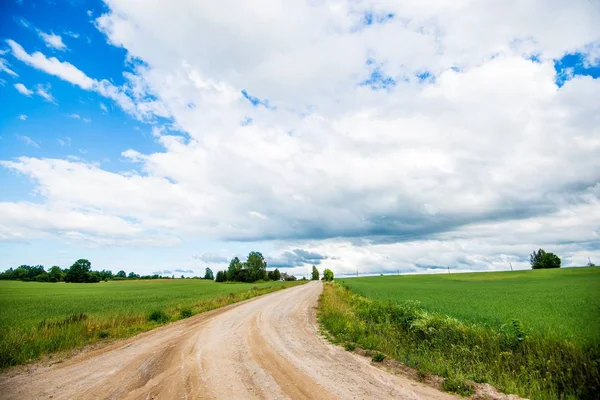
(39, 318)
(531, 333)
(564, 303)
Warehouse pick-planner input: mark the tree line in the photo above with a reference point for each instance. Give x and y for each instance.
(252, 270)
(80, 272)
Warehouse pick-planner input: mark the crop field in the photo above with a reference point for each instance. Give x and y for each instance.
(40, 318)
(563, 303)
(531, 333)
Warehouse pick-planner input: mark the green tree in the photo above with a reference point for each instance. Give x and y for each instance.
(257, 266)
(121, 274)
(56, 274)
(328, 275)
(315, 274)
(233, 272)
(541, 260)
(208, 274)
(220, 276)
(79, 272)
(276, 275)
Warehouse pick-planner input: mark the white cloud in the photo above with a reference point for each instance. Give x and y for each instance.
(29, 141)
(52, 40)
(23, 117)
(52, 66)
(472, 167)
(4, 67)
(86, 120)
(44, 92)
(74, 116)
(66, 141)
(103, 107)
(74, 35)
(23, 89)
(141, 108)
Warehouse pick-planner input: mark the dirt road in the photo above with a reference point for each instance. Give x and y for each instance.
(264, 348)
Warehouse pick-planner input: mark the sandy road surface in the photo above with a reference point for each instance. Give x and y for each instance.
(264, 348)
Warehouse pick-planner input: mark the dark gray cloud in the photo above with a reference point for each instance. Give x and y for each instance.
(211, 258)
(185, 271)
(295, 258)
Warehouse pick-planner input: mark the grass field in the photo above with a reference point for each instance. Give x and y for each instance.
(563, 303)
(40, 318)
(532, 333)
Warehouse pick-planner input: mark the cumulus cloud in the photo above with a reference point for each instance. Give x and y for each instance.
(23, 89)
(23, 117)
(185, 271)
(53, 41)
(389, 136)
(295, 258)
(137, 102)
(211, 258)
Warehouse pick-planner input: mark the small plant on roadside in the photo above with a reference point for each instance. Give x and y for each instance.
(457, 386)
(185, 313)
(103, 334)
(158, 316)
(378, 357)
(349, 346)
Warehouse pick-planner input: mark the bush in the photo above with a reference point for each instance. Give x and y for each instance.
(540, 260)
(349, 346)
(378, 357)
(457, 386)
(158, 316)
(328, 275)
(185, 313)
(103, 334)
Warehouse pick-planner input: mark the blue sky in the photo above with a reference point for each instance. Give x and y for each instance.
(362, 136)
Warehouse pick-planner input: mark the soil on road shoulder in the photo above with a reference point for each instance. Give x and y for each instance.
(265, 348)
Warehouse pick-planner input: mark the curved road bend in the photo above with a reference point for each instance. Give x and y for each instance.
(264, 348)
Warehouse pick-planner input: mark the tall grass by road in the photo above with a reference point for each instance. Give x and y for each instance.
(519, 332)
(41, 318)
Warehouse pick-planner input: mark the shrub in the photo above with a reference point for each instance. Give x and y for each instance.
(185, 313)
(378, 357)
(103, 334)
(457, 386)
(158, 316)
(540, 259)
(328, 275)
(349, 346)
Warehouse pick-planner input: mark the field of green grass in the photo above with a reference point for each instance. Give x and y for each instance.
(40, 318)
(531, 333)
(563, 303)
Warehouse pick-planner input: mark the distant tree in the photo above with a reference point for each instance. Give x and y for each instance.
(220, 276)
(256, 266)
(105, 275)
(56, 274)
(315, 274)
(328, 275)
(276, 275)
(208, 274)
(79, 272)
(131, 275)
(121, 274)
(540, 260)
(235, 266)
